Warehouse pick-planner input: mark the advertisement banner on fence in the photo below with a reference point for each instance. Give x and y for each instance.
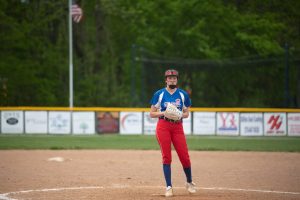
(107, 122)
(227, 123)
(275, 124)
(131, 123)
(204, 123)
(251, 124)
(294, 124)
(187, 125)
(36, 122)
(83, 123)
(149, 124)
(59, 122)
(12, 122)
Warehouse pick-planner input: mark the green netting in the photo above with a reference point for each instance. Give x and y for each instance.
(239, 82)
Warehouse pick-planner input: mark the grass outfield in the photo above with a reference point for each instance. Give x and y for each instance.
(142, 142)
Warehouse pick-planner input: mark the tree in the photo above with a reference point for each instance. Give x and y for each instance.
(34, 49)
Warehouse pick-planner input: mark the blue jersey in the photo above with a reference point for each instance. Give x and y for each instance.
(162, 97)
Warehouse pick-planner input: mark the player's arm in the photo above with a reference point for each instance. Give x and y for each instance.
(185, 112)
(155, 113)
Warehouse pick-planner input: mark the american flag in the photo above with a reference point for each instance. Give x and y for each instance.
(76, 13)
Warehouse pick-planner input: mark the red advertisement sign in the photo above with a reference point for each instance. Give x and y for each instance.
(107, 122)
(275, 124)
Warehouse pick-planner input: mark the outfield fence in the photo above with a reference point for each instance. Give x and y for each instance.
(126, 121)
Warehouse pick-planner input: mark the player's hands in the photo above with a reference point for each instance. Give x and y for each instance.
(172, 112)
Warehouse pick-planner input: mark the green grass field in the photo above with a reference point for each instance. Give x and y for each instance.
(142, 142)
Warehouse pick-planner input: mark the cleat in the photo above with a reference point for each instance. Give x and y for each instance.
(169, 192)
(191, 187)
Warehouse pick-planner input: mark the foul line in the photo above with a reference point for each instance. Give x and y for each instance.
(250, 190)
(5, 196)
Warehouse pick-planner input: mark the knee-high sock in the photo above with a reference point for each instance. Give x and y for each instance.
(167, 173)
(188, 174)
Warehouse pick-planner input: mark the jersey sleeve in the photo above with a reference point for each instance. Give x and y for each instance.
(155, 98)
(188, 101)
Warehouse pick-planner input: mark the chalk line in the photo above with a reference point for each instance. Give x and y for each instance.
(5, 196)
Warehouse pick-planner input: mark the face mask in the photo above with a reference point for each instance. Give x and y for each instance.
(172, 86)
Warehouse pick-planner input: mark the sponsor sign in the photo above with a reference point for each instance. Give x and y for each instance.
(251, 124)
(12, 122)
(293, 124)
(187, 125)
(227, 123)
(275, 124)
(36, 122)
(107, 122)
(83, 123)
(59, 122)
(204, 123)
(149, 124)
(131, 122)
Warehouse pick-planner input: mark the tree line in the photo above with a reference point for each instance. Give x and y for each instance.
(34, 68)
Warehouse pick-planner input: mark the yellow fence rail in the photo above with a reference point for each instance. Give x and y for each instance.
(122, 109)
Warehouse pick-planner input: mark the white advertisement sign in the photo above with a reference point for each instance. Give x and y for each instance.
(187, 125)
(227, 123)
(149, 124)
(275, 124)
(251, 124)
(12, 122)
(36, 122)
(83, 123)
(294, 124)
(131, 123)
(59, 122)
(204, 123)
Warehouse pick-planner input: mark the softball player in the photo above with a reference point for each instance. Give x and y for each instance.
(170, 131)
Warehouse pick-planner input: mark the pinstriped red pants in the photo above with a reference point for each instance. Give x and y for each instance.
(168, 133)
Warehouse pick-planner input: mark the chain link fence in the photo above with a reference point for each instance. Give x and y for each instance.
(265, 82)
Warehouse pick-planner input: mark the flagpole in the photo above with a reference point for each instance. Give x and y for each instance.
(70, 57)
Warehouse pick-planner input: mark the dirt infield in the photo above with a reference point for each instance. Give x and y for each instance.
(113, 174)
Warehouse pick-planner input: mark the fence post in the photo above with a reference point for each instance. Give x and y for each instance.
(132, 69)
(286, 90)
(143, 83)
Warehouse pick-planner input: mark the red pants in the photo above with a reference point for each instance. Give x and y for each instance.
(167, 133)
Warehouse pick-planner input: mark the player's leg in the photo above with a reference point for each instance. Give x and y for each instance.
(163, 136)
(180, 145)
